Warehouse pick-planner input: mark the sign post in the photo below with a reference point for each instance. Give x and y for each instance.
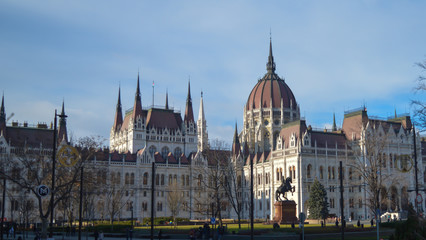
(302, 218)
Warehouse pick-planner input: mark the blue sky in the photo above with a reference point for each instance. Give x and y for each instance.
(334, 55)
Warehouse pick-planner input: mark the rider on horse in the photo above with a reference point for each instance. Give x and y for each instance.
(283, 188)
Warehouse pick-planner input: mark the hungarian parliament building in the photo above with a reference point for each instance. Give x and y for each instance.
(273, 136)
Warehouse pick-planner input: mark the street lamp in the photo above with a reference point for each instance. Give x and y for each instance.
(52, 207)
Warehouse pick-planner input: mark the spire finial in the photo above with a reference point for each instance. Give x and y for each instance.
(270, 66)
(167, 99)
(334, 123)
(2, 112)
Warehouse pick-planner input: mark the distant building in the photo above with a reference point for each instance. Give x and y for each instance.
(282, 145)
(273, 135)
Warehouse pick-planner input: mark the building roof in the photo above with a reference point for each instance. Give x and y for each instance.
(29, 137)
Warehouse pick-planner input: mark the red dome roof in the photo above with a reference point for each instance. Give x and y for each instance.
(271, 89)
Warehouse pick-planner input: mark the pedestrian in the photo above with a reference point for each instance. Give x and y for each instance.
(358, 223)
(220, 232)
(192, 234)
(337, 222)
(101, 236)
(372, 223)
(96, 234)
(207, 231)
(160, 234)
(11, 232)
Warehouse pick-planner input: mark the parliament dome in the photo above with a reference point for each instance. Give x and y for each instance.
(271, 90)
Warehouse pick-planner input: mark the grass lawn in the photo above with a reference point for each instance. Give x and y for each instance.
(261, 228)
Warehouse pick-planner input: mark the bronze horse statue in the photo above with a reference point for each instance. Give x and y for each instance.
(283, 188)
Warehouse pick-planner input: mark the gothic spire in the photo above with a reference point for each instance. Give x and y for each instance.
(2, 117)
(270, 66)
(189, 115)
(201, 116)
(203, 138)
(137, 107)
(236, 146)
(62, 130)
(2, 111)
(334, 123)
(118, 120)
(167, 100)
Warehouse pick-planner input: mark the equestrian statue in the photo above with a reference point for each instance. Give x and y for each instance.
(283, 188)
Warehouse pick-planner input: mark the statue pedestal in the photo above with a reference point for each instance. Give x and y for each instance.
(285, 212)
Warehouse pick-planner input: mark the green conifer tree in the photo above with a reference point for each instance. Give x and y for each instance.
(318, 202)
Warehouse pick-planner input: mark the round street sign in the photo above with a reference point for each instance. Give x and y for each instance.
(67, 156)
(43, 190)
(419, 198)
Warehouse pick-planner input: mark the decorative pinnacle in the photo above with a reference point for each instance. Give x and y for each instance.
(270, 66)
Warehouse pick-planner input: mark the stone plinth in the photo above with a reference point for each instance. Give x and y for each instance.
(285, 212)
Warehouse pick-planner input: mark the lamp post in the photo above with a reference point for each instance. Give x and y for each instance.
(5, 166)
(52, 207)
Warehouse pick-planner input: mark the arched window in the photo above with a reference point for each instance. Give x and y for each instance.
(152, 151)
(390, 161)
(294, 172)
(164, 152)
(350, 173)
(187, 180)
(182, 180)
(329, 172)
(132, 178)
(126, 179)
(333, 173)
(308, 171)
(290, 173)
(162, 179)
(178, 152)
(321, 172)
(278, 174)
(157, 179)
(170, 179)
(175, 179)
(145, 178)
(239, 181)
(275, 140)
(199, 180)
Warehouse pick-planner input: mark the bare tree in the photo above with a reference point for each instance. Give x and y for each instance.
(29, 168)
(420, 104)
(233, 187)
(174, 200)
(369, 163)
(214, 176)
(115, 200)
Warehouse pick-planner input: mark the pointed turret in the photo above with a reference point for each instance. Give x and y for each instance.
(137, 107)
(270, 66)
(334, 123)
(2, 112)
(189, 115)
(2, 116)
(118, 119)
(62, 130)
(202, 127)
(167, 100)
(236, 146)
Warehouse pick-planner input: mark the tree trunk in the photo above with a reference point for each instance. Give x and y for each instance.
(239, 220)
(44, 224)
